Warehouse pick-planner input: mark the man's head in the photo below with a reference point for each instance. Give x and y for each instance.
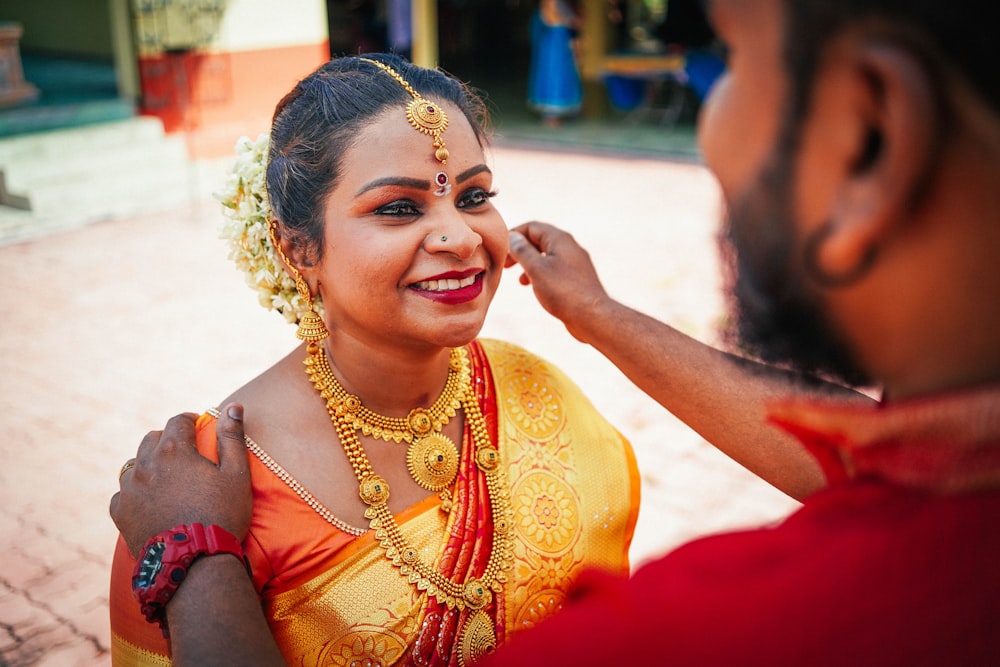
(856, 144)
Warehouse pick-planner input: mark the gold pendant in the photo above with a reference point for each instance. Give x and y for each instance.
(374, 490)
(477, 638)
(476, 594)
(433, 461)
(419, 421)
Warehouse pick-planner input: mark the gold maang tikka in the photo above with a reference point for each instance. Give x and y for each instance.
(425, 116)
(311, 325)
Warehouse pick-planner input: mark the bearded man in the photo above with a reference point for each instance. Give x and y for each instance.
(857, 144)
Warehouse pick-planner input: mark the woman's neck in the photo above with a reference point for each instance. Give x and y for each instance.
(389, 380)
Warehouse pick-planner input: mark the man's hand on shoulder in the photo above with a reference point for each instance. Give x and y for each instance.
(171, 483)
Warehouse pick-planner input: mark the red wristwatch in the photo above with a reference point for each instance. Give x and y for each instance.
(165, 560)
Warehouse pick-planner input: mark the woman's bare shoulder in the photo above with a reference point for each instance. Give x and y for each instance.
(276, 397)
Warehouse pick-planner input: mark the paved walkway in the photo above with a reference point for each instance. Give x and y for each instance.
(111, 329)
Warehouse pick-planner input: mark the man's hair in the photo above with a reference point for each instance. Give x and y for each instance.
(949, 37)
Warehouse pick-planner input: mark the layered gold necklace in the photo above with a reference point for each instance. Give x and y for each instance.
(477, 636)
(432, 457)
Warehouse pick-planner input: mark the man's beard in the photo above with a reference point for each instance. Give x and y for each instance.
(774, 315)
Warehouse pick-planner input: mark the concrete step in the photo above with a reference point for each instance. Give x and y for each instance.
(71, 177)
(75, 160)
(54, 143)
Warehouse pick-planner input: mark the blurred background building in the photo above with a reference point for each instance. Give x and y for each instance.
(93, 88)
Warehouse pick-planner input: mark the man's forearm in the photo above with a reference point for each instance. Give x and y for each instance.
(215, 618)
(720, 396)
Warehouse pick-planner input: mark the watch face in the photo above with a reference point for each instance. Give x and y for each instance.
(149, 566)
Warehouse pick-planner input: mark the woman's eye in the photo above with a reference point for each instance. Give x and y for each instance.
(474, 198)
(397, 209)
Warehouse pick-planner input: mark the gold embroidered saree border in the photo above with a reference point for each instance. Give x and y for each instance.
(362, 604)
(124, 652)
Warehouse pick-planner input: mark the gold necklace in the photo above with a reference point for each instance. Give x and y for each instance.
(477, 636)
(432, 458)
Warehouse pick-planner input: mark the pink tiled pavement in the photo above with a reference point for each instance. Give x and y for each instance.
(110, 329)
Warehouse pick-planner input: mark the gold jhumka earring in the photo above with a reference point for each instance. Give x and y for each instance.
(311, 325)
(425, 116)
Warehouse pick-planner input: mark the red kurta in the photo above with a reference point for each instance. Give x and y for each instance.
(897, 563)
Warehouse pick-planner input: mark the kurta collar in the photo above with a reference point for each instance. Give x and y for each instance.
(948, 443)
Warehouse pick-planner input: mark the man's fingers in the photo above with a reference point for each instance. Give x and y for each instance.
(531, 241)
(529, 244)
(113, 506)
(180, 428)
(521, 249)
(148, 443)
(524, 253)
(541, 235)
(509, 260)
(229, 433)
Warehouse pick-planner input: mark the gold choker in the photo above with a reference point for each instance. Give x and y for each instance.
(432, 457)
(477, 636)
(420, 421)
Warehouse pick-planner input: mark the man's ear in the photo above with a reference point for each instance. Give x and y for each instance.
(895, 140)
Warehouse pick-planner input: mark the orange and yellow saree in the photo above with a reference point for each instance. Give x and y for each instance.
(333, 598)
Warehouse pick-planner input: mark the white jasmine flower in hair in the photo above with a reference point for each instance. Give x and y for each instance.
(247, 219)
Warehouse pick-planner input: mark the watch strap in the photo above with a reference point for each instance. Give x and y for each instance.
(182, 545)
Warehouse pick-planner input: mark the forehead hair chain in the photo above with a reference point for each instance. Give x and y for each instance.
(425, 116)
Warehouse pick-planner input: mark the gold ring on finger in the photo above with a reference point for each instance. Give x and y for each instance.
(125, 468)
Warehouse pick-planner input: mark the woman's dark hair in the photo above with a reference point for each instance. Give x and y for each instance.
(315, 124)
(947, 37)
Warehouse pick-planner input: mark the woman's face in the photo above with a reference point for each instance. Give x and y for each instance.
(408, 261)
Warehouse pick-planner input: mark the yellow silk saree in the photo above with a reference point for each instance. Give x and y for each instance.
(332, 597)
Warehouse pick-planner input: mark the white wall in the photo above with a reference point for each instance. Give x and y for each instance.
(263, 24)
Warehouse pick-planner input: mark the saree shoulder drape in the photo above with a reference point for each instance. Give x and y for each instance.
(332, 597)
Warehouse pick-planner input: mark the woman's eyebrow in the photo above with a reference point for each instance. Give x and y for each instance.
(472, 171)
(412, 183)
(418, 183)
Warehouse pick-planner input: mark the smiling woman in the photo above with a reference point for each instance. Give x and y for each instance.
(419, 494)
